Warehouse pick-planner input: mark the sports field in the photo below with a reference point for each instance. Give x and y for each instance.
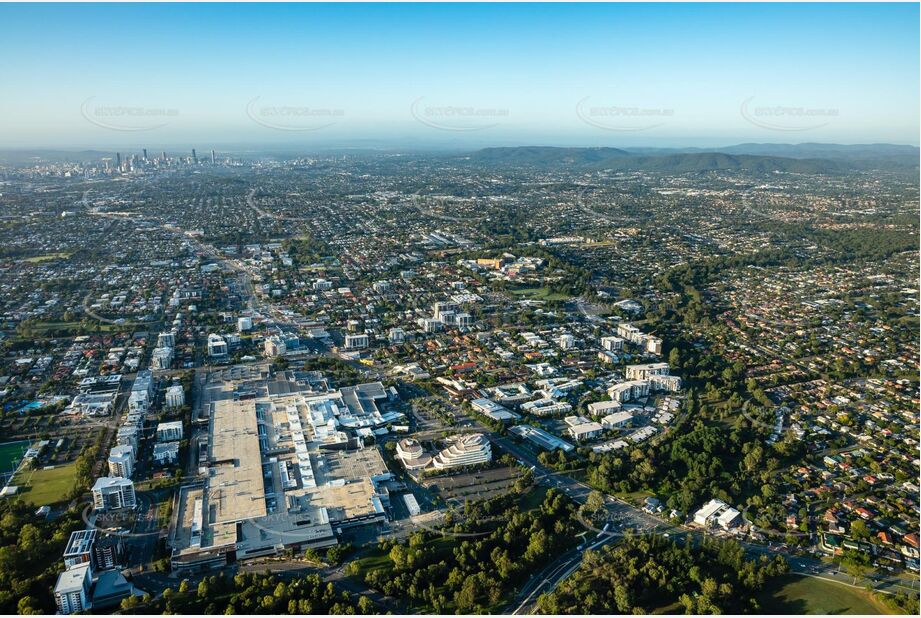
(11, 454)
(46, 486)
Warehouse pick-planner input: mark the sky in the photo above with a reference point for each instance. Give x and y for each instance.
(457, 75)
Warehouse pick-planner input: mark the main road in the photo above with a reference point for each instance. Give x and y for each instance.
(621, 517)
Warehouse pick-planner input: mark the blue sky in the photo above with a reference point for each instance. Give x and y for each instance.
(457, 75)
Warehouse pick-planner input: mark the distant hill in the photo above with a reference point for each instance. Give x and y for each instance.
(797, 151)
(623, 160)
(849, 152)
(714, 161)
(891, 157)
(546, 155)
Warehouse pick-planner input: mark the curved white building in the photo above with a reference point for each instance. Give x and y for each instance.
(411, 453)
(465, 450)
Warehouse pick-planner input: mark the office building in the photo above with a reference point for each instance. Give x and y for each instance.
(356, 342)
(541, 438)
(717, 513)
(411, 453)
(464, 450)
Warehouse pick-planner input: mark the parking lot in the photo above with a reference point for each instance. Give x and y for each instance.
(474, 485)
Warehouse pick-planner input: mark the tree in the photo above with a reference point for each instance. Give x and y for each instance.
(856, 563)
(28, 606)
(674, 358)
(594, 502)
(859, 530)
(365, 605)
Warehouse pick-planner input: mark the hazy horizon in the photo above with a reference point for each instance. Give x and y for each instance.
(457, 77)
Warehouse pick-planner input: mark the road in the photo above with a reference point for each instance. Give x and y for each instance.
(622, 516)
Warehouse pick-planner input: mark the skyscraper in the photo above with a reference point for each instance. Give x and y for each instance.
(194, 157)
(145, 155)
(212, 156)
(118, 161)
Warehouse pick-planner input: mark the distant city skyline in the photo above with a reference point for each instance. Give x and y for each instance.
(455, 76)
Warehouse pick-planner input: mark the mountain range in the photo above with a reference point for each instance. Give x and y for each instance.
(762, 158)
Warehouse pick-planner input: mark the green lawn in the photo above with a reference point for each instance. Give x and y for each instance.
(538, 294)
(796, 594)
(46, 258)
(372, 559)
(46, 487)
(11, 453)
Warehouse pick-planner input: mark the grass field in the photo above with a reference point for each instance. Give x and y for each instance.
(46, 487)
(46, 258)
(538, 294)
(796, 594)
(11, 453)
